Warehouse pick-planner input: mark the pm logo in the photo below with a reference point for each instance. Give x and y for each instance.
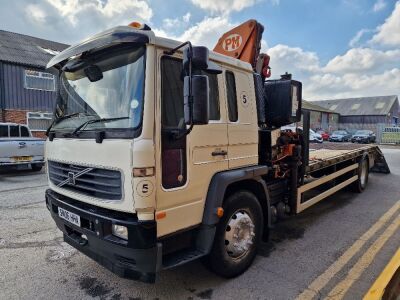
(232, 42)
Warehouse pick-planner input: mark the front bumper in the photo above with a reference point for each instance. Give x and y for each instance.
(359, 140)
(137, 258)
(10, 163)
(336, 139)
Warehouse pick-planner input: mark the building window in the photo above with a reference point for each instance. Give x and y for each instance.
(39, 121)
(39, 80)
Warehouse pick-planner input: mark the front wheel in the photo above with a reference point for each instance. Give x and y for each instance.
(237, 236)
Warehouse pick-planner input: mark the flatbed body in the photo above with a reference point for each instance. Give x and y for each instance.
(329, 154)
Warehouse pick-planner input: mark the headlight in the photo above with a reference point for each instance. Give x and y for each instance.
(120, 231)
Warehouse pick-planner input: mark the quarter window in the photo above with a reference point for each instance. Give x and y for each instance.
(231, 96)
(39, 80)
(24, 131)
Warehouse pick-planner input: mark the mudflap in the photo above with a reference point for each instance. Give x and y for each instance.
(380, 165)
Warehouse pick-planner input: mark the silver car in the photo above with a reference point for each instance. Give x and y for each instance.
(19, 148)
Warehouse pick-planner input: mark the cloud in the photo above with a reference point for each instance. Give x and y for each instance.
(388, 33)
(325, 86)
(71, 9)
(204, 33)
(358, 72)
(224, 6)
(293, 60)
(379, 5)
(36, 12)
(176, 23)
(356, 39)
(363, 60)
(74, 20)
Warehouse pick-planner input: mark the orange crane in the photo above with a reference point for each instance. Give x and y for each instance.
(244, 42)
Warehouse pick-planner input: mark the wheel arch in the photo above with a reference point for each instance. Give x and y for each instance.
(226, 183)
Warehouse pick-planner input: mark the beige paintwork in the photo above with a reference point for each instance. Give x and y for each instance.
(184, 205)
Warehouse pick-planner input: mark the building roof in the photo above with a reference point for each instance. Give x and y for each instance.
(312, 106)
(370, 106)
(27, 50)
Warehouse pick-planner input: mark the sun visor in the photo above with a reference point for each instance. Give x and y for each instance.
(111, 37)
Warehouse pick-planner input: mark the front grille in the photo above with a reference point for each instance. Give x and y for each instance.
(95, 182)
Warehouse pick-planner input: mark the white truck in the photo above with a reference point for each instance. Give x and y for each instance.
(162, 152)
(18, 147)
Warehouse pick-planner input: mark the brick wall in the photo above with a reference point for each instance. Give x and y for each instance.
(15, 116)
(19, 117)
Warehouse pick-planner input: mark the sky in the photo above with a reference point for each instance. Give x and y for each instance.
(337, 48)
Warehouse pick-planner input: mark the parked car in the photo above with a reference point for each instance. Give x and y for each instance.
(363, 136)
(314, 137)
(340, 136)
(18, 147)
(324, 134)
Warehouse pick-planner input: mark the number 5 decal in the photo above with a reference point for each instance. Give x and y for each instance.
(144, 188)
(244, 99)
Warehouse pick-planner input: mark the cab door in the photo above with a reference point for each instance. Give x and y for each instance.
(185, 164)
(242, 118)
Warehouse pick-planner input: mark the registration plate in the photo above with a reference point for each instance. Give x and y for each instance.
(22, 158)
(69, 216)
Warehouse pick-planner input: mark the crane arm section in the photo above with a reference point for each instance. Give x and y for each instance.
(244, 42)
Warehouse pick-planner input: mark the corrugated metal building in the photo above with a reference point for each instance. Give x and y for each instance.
(365, 112)
(27, 90)
(321, 117)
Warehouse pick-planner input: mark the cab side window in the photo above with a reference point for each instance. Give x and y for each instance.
(231, 96)
(172, 93)
(14, 131)
(24, 131)
(3, 131)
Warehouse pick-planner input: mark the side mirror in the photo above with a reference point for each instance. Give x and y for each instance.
(283, 102)
(198, 56)
(196, 103)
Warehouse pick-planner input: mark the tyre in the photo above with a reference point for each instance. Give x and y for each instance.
(360, 184)
(237, 236)
(36, 168)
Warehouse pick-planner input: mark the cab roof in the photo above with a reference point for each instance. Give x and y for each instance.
(128, 34)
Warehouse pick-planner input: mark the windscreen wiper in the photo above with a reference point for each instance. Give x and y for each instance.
(82, 126)
(58, 120)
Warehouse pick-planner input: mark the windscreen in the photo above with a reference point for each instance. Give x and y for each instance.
(116, 91)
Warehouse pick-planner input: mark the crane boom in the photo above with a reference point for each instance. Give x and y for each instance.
(244, 42)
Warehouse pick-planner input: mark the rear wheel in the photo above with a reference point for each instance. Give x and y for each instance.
(237, 236)
(360, 184)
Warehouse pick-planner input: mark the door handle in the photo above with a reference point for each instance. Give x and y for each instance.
(219, 152)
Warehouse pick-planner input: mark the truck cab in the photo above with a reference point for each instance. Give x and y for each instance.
(126, 181)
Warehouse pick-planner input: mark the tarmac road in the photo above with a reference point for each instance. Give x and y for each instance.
(335, 248)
